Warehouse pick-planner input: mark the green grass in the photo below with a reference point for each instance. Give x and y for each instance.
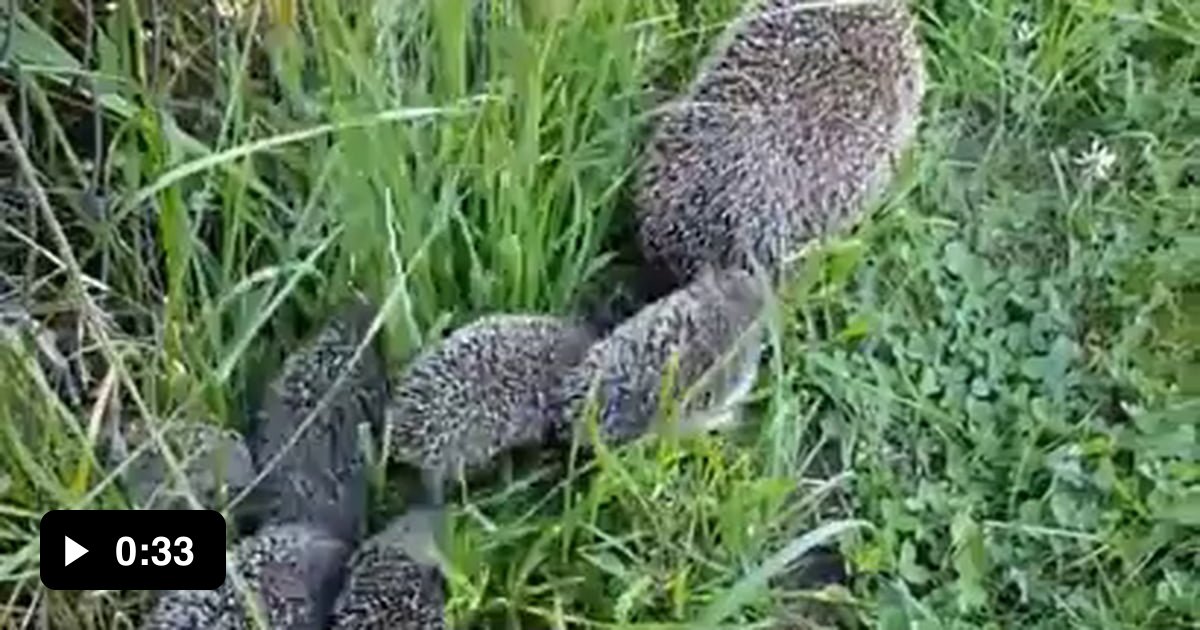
(988, 395)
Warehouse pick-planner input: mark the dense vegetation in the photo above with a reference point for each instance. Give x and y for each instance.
(986, 395)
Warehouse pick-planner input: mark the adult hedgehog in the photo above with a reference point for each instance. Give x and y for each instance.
(786, 133)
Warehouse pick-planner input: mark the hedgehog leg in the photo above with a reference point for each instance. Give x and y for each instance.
(433, 503)
(433, 487)
(506, 468)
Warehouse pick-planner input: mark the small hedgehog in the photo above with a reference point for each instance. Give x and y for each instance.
(294, 572)
(321, 477)
(483, 391)
(705, 339)
(788, 131)
(215, 463)
(394, 579)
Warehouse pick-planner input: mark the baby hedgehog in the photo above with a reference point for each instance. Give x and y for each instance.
(705, 339)
(321, 477)
(484, 390)
(293, 571)
(786, 133)
(215, 463)
(394, 579)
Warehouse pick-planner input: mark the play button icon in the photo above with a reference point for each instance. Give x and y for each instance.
(72, 551)
(122, 550)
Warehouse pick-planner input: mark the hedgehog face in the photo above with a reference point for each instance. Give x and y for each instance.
(725, 387)
(215, 463)
(415, 533)
(683, 361)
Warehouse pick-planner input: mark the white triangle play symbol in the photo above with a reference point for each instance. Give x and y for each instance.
(72, 551)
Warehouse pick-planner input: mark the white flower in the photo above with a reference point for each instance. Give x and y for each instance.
(1097, 162)
(1025, 31)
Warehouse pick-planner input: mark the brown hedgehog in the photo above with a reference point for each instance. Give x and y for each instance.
(316, 473)
(788, 131)
(394, 579)
(704, 340)
(293, 573)
(485, 390)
